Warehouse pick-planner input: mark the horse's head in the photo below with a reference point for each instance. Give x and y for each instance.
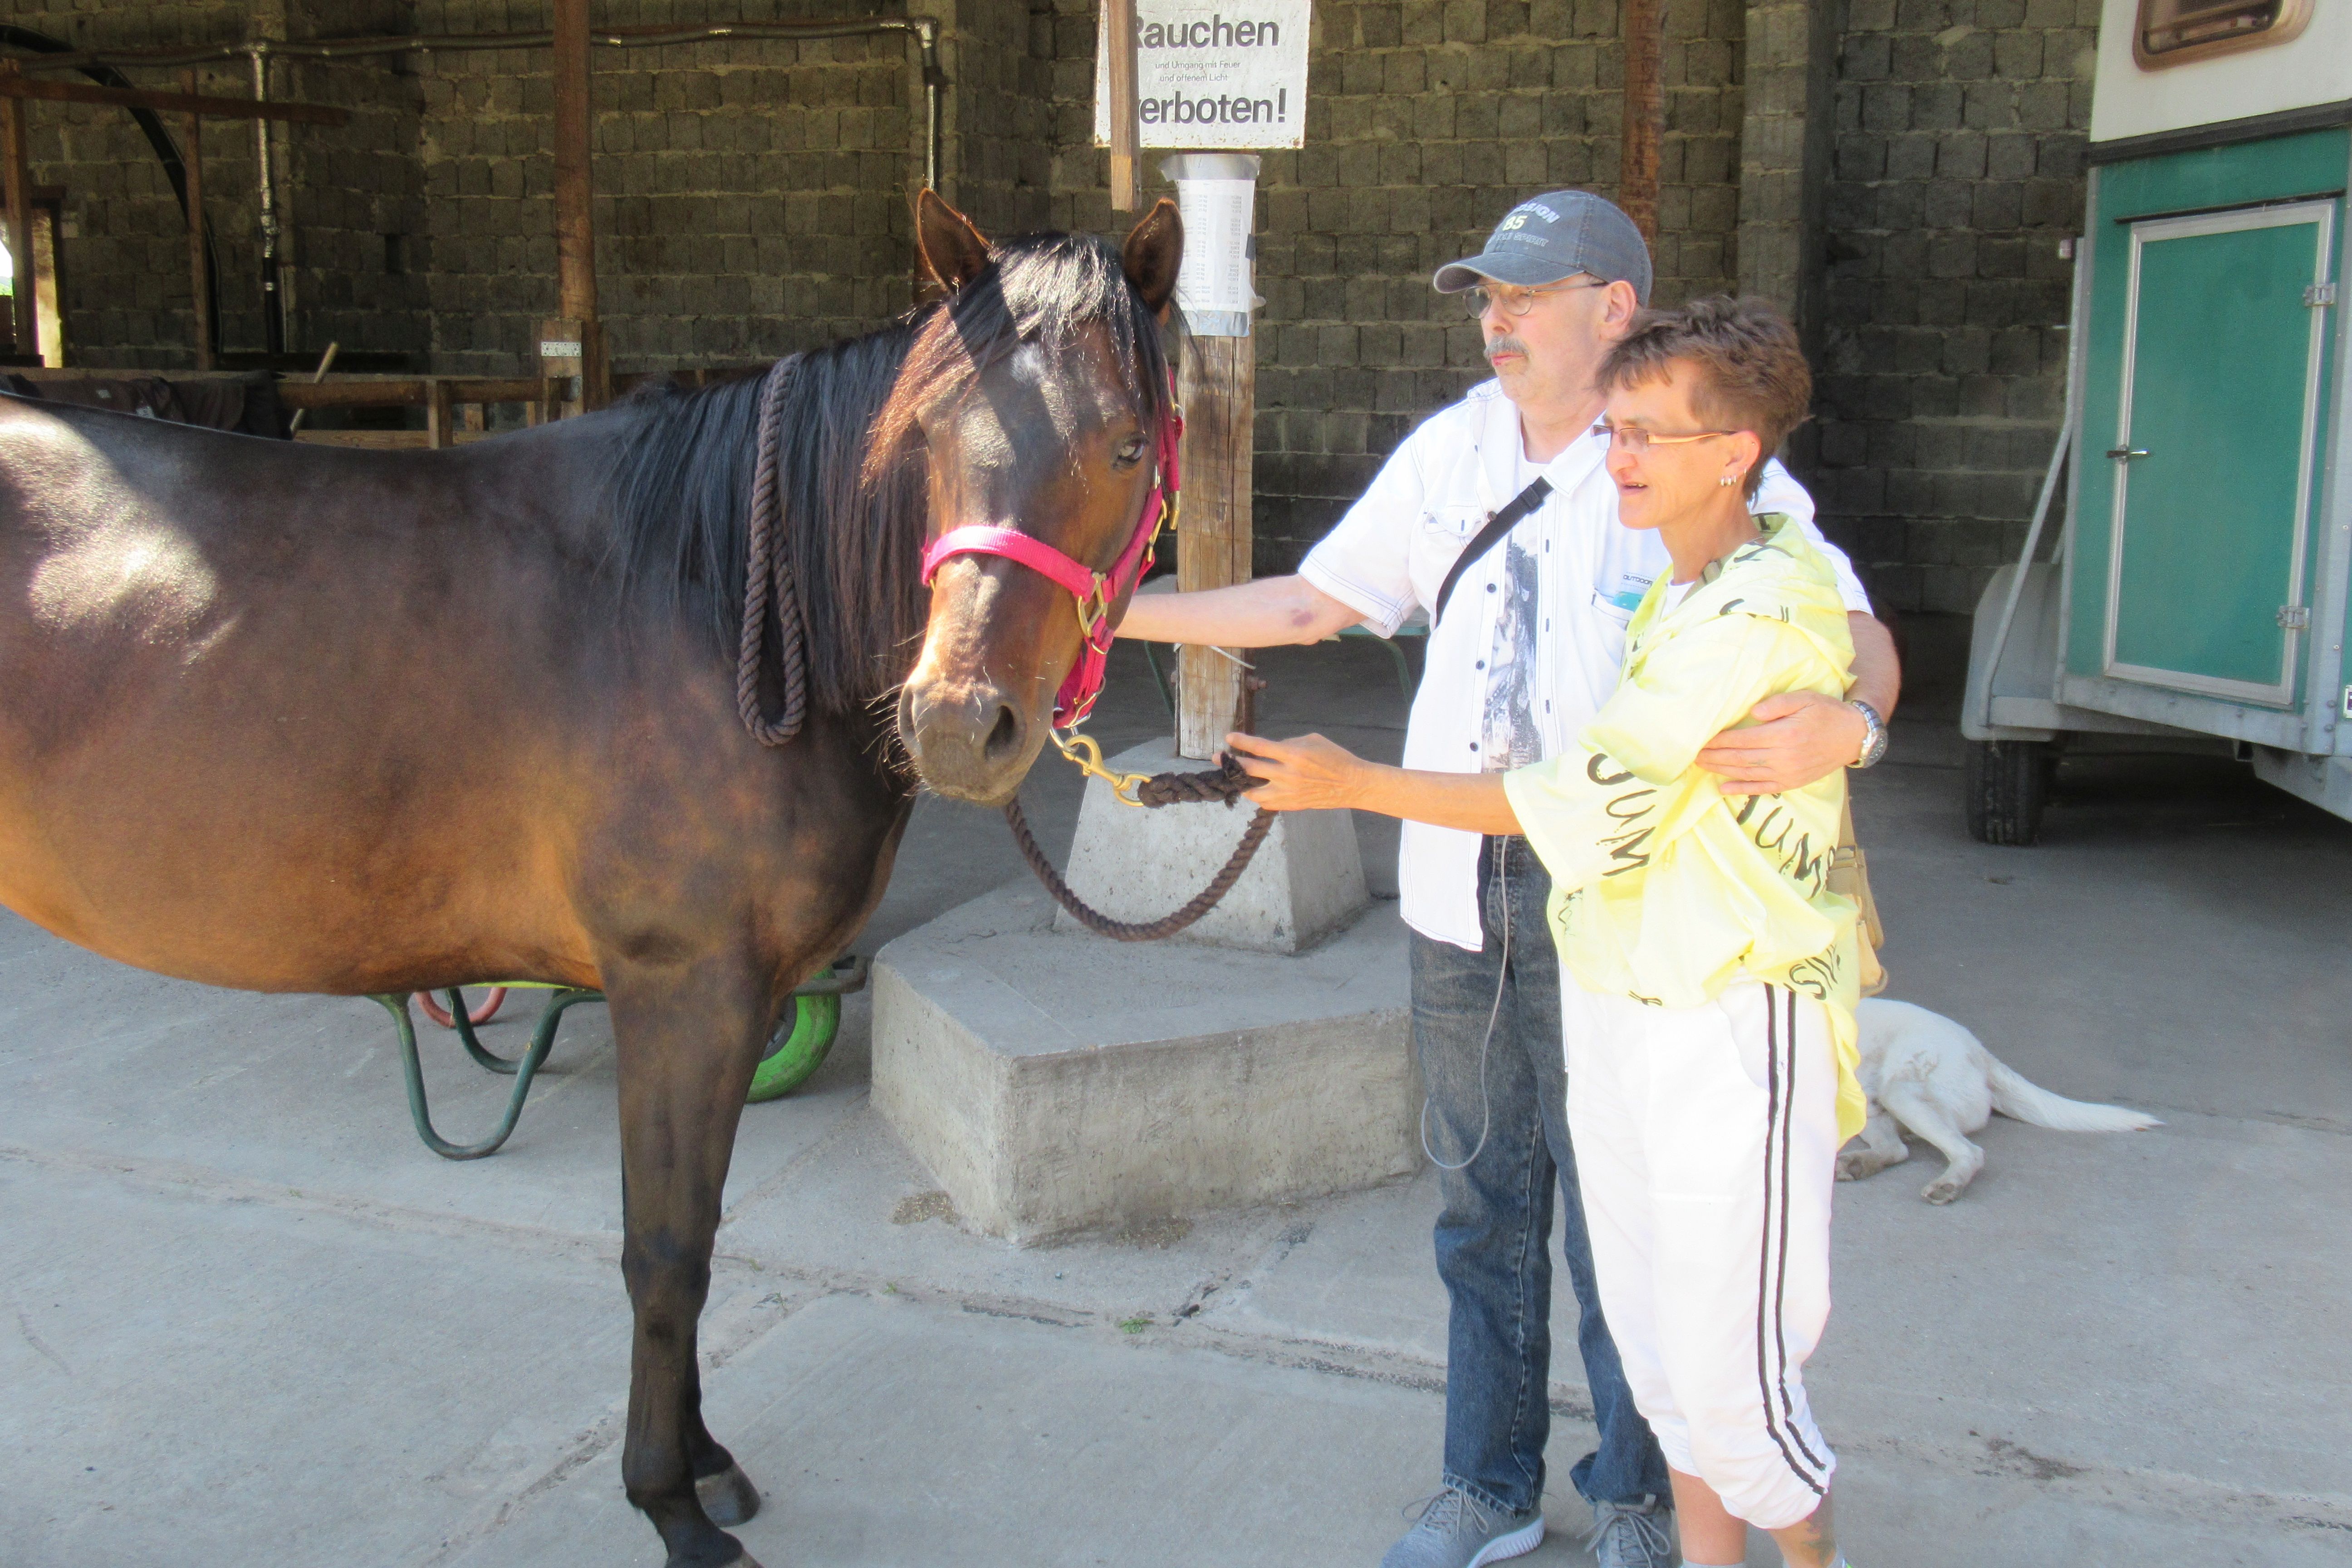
(1041, 398)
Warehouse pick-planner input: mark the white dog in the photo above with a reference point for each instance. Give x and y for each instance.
(1926, 1072)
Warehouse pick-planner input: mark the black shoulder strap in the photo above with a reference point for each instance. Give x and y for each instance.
(1501, 523)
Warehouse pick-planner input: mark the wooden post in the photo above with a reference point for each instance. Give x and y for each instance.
(438, 407)
(1126, 130)
(17, 158)
(1645, 113)
(1219, 389)
(576, 219)
(193, 160)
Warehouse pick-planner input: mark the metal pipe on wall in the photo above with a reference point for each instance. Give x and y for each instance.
(273, 302)
(1645, 115)
(191, 163)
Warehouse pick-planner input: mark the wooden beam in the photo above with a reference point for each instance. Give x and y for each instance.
(1646, 115)
(193, 159)
(1126, 130)
(575, 218)
(410, 392)
(1215, 537)
(15, 167)
(18, 87)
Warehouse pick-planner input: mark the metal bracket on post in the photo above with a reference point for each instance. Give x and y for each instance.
(563, 357)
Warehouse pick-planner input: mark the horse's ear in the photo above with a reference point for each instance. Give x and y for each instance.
(1153, 251)
(953, 250)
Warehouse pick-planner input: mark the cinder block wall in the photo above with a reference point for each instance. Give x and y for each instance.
(750, 195)
(1960, 133)
(123, 243)
(752, 199)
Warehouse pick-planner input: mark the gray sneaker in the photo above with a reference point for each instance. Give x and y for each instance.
(1453, 1530)
(1631, 1535)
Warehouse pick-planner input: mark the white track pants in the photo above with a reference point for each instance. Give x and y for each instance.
(1706, 1140)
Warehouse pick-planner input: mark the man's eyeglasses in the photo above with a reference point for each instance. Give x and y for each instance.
(1633, 438)
(1517, 301)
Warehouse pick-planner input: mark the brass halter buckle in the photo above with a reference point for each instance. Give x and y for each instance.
(1086, 752)
(1093, 605)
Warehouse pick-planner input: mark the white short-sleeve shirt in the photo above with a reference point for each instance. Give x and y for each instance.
(1390, 553)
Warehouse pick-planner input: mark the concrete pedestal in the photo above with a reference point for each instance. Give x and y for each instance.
(1306, 881)
(1056, 1082)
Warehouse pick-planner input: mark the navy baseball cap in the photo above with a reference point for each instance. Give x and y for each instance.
(1559, 234)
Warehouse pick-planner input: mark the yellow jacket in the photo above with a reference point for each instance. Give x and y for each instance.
(1663, 888)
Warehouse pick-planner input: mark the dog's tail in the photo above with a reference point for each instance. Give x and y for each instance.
(2014, 1095)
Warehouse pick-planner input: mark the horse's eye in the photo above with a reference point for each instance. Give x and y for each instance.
(1131, 451)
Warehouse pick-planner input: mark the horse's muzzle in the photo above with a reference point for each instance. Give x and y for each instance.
(970, 742)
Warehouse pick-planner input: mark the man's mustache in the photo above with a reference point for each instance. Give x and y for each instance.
(1507, 344)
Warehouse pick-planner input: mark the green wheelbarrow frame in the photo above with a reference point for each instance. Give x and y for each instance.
(795, 1050)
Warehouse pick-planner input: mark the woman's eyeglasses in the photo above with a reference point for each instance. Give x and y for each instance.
(1633, 438)
(1515, 302)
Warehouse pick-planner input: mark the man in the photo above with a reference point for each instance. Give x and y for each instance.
(1526, 650)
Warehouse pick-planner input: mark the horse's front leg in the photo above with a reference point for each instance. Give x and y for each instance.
(687, 1037)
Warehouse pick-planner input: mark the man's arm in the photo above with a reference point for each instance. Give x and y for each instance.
(1263, 613)
(1800, 736)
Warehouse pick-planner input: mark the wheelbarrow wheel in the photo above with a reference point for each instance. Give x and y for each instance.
(797, 1049)
(488, 1010)
(2008, 785)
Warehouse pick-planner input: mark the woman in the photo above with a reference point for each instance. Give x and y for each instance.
(1709, 1035)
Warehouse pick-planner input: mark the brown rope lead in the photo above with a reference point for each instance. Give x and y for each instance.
(768, 578)
(1225, 783)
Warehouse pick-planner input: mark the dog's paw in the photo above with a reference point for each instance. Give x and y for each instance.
(1942, 1193)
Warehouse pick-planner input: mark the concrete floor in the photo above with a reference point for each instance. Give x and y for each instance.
(245, 1318)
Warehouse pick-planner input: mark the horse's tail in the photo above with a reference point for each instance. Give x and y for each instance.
(2013, 1095)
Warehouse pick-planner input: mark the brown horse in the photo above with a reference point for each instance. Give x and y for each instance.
(222, 662)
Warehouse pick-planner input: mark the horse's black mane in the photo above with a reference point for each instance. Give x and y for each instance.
(854, 522)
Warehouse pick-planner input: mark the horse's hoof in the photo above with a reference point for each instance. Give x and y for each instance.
(729, 1499)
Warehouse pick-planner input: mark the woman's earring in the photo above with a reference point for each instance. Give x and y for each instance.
(1728, 480)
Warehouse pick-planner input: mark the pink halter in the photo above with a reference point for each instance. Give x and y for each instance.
(1094, 591)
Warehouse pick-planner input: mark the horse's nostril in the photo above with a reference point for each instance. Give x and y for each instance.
(1004, 739)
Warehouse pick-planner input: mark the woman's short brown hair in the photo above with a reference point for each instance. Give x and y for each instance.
(1752, 372)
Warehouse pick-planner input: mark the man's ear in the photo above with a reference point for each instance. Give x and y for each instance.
(1619, 309)
(953, 251)
(1153, 252)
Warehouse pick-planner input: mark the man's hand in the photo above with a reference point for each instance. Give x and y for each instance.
(1309, 773)
(1793, 740)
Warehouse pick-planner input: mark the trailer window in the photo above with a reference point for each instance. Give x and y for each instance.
(2173, 32)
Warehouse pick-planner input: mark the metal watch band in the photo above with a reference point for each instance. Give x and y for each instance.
(1873, 740)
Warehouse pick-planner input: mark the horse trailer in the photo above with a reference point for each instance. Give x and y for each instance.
(2199, 588)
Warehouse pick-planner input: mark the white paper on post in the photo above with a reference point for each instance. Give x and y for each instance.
(1223, 73)
(1216, 285)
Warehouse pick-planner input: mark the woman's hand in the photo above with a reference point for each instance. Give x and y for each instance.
(1309, 773)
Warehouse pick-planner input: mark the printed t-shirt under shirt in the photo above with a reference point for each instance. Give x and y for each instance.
(1388, 555)
(1664, 890)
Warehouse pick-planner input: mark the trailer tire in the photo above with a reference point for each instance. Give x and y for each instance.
(2008, 785)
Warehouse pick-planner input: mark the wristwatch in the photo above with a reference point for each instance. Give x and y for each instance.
(1874, 739)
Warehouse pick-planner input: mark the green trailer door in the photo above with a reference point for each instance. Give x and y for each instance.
(2215, 458)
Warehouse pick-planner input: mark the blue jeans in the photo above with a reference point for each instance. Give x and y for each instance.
(1493, 1232)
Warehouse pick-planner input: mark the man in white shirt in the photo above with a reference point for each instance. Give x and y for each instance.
(1525, 649)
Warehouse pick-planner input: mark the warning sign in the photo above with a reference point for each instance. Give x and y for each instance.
(1223, 75)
